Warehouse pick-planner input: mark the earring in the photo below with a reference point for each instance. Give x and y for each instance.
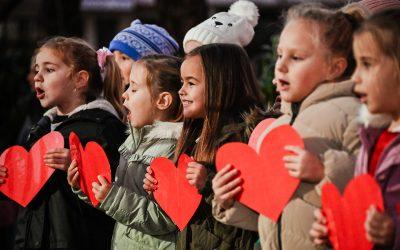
(74, 89)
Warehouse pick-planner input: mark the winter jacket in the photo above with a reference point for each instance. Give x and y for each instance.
(203, 231)
(327, 122)
(141, 223)
(388, 169)
(56, 218)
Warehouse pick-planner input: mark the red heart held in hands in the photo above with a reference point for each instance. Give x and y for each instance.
(174, 194)
(92, 162)
(27, 173)
(267, 185)
(258, 130)
(346, 214)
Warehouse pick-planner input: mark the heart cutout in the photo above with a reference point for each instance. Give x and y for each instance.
(346, 214)
(174, 194)
(263, 173)
(92, 161)
(258, 131)
(27, 173)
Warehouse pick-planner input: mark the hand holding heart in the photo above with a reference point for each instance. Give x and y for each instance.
(303, 165)
(319, 229)
(226, 185)
(379, 227)
(101, 188)
(196, 174)
(73, 175)
(149, 182)
(3, 173)
(58, 158)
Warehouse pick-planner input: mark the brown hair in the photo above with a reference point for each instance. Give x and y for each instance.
(384, 29)
(79, 55)
(231, 90)
(163, 76)
(336, 29)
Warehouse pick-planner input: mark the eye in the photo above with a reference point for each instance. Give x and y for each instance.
(229, 24)
(297, 58)
(49, 70)
(213, 17)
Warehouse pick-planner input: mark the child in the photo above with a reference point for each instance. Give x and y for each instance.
(377, 80)
(154, 109)
(69, 81)
(139, 40)
(235, 26)
(314, 57)
(221, 103)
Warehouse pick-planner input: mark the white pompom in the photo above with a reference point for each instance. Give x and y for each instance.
(245, 9)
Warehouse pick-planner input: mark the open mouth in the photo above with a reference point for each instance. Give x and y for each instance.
(127, 111)
(39, 93)
(283, 85)
(186, 102)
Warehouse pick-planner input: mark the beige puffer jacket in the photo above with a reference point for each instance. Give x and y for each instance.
(327, 122)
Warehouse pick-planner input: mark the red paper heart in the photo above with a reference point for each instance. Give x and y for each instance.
(346, 215)
(174, 194)
(92, 162)
(267, 185)
(258, 130)
(27, 172)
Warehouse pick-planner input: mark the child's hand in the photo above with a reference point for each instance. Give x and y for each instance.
(304, 165)
(149, 182)
(3, 174)
(226, 186)
(379, 227)
(73, 175)
(58, 158)
(101, 188)
(319, 230)
(196, 174)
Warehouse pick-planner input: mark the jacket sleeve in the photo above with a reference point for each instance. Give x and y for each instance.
(81, 195)
(238, 215)
(136, 211)
(339, 164)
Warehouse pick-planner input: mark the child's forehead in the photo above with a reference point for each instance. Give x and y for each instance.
(365, 43)
(301, 34)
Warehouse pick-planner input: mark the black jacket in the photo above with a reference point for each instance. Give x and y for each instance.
(56, 217)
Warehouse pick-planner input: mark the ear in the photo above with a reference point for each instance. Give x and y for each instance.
(81, 79)
(337, 68)
(164, 101)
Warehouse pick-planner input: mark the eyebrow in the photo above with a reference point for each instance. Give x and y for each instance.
(47, 63)
(190, 78)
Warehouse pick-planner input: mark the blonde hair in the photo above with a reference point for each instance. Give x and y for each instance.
(335, 29)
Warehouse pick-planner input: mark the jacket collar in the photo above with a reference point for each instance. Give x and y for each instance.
(99, 103)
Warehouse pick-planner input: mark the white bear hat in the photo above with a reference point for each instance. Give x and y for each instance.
(235, 26)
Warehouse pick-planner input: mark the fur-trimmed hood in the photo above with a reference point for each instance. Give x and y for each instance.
(99, 103)
(369, 120)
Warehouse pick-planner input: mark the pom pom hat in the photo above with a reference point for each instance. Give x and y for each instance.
(235, 26)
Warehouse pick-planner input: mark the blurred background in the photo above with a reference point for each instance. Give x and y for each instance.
(24, 23)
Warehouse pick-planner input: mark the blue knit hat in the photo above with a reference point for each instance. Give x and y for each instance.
(140, 40)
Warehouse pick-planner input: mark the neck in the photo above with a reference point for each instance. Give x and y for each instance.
(67, 108)
(395, 123)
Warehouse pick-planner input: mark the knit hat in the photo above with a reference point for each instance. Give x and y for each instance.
(235, 26)
(140, 40)
(366, 8)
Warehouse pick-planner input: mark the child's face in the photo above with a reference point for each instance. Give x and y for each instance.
(376, 77)
(137, 98)
(125, 64)
(192, 93)
(53, 83)
(302, 61)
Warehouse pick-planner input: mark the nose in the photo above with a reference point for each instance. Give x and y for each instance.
(38, 77)
(280, 65)
(182, 91)
(217, 23)
(356, 77)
